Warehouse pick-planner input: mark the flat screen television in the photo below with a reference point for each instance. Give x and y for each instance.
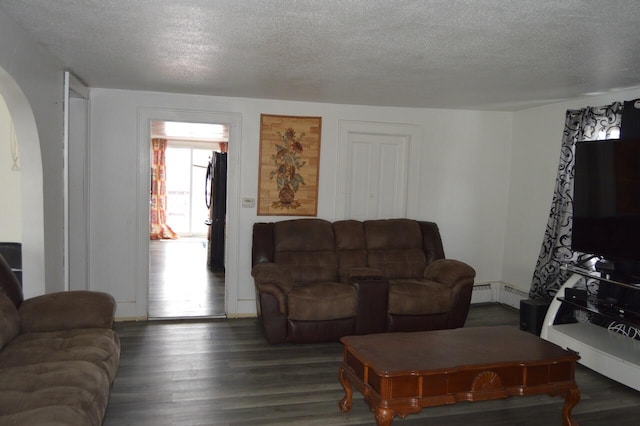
(606, 204)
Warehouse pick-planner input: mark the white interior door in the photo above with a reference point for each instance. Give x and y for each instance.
(378, 176)
(380, 169)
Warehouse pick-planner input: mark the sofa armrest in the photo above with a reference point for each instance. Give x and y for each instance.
(458, 276)
(275, 280)
(67, 310)
(449, 272)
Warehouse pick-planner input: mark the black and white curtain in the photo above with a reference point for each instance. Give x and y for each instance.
(590, 123)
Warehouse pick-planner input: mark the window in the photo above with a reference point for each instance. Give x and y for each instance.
(186, 206)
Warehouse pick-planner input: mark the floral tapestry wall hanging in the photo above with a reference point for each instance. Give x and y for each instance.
(289, 165)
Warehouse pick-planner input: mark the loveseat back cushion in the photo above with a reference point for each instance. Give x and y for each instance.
(306, 247)
(418, 297)
(322, 301)
(9, 321)
(351, 247)
(394, 246)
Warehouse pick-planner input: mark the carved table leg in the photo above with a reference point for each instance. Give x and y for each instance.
(384, 416)
(572, 397)
(345, 403)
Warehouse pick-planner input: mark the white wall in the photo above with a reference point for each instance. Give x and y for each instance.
(31, 85)
(464, 175)
(537, 136)
(10, 193)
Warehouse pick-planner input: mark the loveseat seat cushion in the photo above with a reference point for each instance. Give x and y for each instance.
(322, 301)
(9, 321)
(418, 297)
(66, 392)
(100, 347)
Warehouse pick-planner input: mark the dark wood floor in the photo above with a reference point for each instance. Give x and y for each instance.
(222, 372)
(180, 284)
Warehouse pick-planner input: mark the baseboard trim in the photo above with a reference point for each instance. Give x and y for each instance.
(498, 292)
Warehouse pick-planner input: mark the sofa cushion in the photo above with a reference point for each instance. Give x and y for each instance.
(418, 297)
(306, 247)
(9, 321)
(57, 415)
(67, 310)
(394, 246)
(309, 266)
(408, 263)
(100, 347)
(69, 392)
(303, 235)
(322, 301)
(389, 234)
(351, 247)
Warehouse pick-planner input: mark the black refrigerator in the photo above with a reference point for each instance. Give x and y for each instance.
(217, 202)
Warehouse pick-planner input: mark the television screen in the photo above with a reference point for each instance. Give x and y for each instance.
(606, 205)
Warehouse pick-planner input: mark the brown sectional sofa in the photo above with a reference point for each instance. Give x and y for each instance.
(318, 281)
(58, 355)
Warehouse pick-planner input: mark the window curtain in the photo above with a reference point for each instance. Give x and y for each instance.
(590, 123)
(158, 215)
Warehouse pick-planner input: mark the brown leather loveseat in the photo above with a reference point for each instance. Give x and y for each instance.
(318, 281)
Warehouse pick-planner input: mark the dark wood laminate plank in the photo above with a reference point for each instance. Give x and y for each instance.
(222, 372)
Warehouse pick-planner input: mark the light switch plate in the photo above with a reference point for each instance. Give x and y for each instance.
(248, 202)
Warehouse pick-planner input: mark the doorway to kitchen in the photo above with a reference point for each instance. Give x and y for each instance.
(187, 218)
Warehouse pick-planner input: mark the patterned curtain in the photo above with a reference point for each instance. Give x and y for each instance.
(591, 123)
(158, 217)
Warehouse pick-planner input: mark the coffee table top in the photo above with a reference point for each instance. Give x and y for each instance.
(390, 353)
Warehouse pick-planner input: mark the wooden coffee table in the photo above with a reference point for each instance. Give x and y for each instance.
(401, 373)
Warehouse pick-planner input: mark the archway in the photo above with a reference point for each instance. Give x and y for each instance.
(31, 185)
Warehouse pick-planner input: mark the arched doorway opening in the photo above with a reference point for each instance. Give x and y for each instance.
(32, 203)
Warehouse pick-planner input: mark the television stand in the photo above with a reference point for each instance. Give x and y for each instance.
(606, 352)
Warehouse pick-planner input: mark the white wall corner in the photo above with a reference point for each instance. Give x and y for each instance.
(499, 292)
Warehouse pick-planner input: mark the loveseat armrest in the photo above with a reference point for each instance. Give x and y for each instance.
(67, 311)
(449, 272)
(458, 276)
(275, 280)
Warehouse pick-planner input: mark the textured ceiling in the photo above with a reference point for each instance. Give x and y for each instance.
(462, 54)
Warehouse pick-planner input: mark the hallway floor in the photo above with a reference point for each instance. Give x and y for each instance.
(180, 283)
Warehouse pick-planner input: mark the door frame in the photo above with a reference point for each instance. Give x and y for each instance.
(233, 121)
